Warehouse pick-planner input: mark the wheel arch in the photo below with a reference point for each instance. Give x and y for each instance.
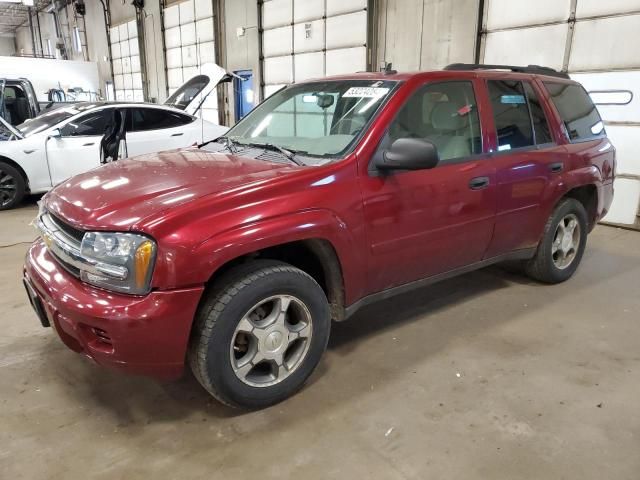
(587, 195)
(314, 256)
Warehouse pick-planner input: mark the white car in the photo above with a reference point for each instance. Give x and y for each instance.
(48, 149)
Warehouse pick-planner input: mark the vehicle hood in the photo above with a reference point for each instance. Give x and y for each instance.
(121, 194)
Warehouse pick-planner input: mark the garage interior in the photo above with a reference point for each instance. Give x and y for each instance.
(488, 375)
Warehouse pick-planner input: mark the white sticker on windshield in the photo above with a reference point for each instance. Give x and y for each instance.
(365, 92)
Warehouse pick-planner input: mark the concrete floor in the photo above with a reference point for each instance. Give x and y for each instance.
(487, 376)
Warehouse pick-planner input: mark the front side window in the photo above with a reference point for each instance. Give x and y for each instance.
(92, 124)
(577, 111)
(445, 114)
(321, 119)
(511, 114)
(141, 119)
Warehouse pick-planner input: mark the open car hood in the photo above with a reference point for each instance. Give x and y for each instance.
(184, 99)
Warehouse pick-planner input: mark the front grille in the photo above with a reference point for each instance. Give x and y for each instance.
(63, 241)
(66, 228)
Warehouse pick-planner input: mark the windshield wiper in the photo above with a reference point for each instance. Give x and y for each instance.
(229, 142)
(290, 155)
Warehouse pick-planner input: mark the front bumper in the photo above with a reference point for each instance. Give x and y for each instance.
(141, 335)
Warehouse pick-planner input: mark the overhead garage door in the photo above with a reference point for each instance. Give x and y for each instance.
(189, 41)
(304, 39)
(125, 53)
(596, 42)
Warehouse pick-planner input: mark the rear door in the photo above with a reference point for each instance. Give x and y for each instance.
(152, 129)
(425, 222)
(78, 147)
(529, 162)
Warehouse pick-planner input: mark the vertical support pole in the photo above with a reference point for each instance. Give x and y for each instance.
(33, 33)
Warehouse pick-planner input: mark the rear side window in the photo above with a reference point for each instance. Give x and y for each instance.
(511, 114)
(141, 119)
(577, 111)
(540, 123)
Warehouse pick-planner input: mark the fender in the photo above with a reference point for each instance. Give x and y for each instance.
(245, 239)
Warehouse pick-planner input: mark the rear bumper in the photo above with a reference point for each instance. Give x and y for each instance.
(141, 335)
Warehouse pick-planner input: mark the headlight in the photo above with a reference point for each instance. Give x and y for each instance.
(119, 261)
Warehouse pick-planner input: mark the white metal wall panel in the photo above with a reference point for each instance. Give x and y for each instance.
(625, 139)
(518, 13)
(301, 38)
(314, 42)
(347, 30)
(126, 62)
(597, 44)
(309, 65)
(278, 70)
(277, 41)
(593, 8)
(337, 7)
(304, 10)
(189, 41)
(346, 60)
(625, 201)
(276, 13)
(507, 47)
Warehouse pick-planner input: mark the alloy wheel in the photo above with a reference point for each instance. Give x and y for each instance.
(566, 241)
(271, 341)
(8, 188)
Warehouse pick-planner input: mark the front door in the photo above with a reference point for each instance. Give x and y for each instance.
(77, 149)
(422, 223)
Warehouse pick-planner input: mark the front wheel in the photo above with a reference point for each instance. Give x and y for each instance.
(259, 334)
(12, 186)
(562, 245)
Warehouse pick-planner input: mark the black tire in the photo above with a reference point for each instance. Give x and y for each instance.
(12, 186)
(542, 266)
(220, 312)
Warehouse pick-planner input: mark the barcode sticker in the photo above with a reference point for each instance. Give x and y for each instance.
(365, 92)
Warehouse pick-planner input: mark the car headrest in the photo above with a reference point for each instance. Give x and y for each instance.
(445, 116)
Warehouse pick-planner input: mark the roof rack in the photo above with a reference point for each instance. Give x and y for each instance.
(533, 69)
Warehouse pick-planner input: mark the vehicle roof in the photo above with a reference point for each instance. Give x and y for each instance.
(436, 74)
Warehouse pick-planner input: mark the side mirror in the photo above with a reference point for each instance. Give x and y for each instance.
(55, 133)
(409, 154)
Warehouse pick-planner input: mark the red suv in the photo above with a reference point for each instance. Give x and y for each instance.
(236, 255)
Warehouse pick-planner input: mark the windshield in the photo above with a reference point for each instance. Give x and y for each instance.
(44, 121)
(52, 117)
(319, 119)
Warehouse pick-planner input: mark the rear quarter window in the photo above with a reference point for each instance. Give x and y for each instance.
(578, 113)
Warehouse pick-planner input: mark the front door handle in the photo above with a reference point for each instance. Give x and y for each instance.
(88, 144)
(556, 167)
(479, 183)
(176, 134)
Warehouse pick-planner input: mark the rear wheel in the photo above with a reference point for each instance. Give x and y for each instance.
(259, 334)
(12, 186)
(562, 245)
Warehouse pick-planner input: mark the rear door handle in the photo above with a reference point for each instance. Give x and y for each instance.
(176, 134)
(479, 183)
(556, 167)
